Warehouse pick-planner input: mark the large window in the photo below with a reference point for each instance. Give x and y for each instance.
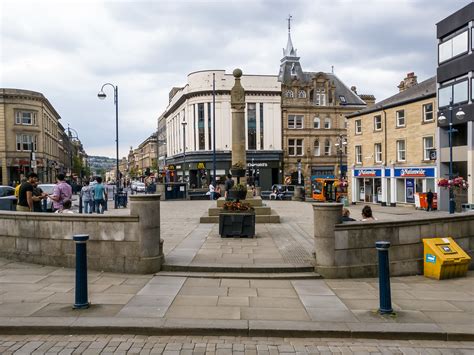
(327, 147)
(378, 152)
(400, 118)
(202, 137)
(302, 94)
(327, 123)
(316, 150)
(358, 126)
(25, 142)
(25, 118)
(457, 90)
(290, 94)
(377, 123)
(295, 147)
(262, 146)
(453, 46)
(428, 145)
(320, 98)
(252, 126)
(194, 126)
(295, 121)
(401, 150)
(428, 112)
(209, 126)
(316, 123)
(358, 154)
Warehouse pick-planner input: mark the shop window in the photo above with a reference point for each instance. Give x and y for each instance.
(401, 151)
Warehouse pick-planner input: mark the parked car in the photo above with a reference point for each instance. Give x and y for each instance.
(48, 188)
(7, 198)
(138, 186)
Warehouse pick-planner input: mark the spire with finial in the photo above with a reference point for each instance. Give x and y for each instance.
(289, 51)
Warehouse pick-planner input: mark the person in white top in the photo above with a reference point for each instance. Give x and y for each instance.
(212, 190)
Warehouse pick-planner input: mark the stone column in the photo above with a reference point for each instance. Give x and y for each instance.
(237, 102)
(147, 208)
(326, 215)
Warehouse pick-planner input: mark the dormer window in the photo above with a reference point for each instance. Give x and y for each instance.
(290, 94)
(320, 99)
(342, 99)
(302, 94)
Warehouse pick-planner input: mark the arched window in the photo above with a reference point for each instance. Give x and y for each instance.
(327, 123)
(327, 147)
(289, 93)
(316, 150)
(302, 94)
(316, 123)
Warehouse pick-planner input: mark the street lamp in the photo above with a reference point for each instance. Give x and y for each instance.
(340, 144)
(184, 123)
(460, 116)
(101, 95)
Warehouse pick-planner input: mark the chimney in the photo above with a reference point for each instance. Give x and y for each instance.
(408, 82)
(368, 99)
(173, 92)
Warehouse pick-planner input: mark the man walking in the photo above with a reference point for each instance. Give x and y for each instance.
(228, 185)
(25, 194)
(429, 199)
(100, 196)
(62, 192)
(86, 196)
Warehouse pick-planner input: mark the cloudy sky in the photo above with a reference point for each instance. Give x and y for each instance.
(67, 50)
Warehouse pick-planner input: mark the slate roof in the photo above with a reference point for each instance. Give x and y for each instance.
(417, 92)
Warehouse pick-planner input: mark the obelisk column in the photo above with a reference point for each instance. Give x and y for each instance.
(237, 102)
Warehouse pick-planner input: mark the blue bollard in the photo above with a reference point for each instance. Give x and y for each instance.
(81, 294)
(384, 278)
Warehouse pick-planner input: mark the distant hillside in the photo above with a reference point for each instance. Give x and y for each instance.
(101, 163)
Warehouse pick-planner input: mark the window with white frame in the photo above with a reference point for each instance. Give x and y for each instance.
(378, 152)
(25, 142)
(295, 121)
(401, 150)
(428, 112)
(453, 46)
(400, 118)
(327, 147)
(316, 149)
(327, 123)
(290, 94)
(27, 118)
(295, 146)
(302, 94)
(358, 154)
(316, 123)
(358, 126)
(377, 123)
(428, 145)
(320, 98)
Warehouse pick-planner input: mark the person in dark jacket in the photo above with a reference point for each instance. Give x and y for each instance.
(429, 199)
(346, 216)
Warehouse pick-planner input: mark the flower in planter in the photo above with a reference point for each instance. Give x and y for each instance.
(237, 206)
(457, 183)
(239, 187)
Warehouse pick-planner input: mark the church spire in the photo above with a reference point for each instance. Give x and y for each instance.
(290, 51)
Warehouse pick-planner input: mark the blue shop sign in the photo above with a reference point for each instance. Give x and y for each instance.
(388, 172)
(368, 172)
(414, 172)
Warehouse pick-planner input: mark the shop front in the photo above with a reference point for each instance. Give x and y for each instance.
(407, 181)
(367, 185)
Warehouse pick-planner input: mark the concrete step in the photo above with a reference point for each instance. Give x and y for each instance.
(259, 211)
(247, 275)
(238, 269)
(255, 202)
(273, 218)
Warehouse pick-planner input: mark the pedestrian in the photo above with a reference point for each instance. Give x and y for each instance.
(17, 187)
(38, 197)
(100, 196)
(367, 215)
(346, 215)
(217, 192)
(228, 185)
(66, 207)
(25, 194)
(212, 191)
(62, 192)
(87, 198)
(429, 200)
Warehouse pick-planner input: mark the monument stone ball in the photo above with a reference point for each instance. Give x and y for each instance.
(237, 73)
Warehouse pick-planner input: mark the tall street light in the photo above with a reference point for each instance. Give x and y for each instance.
(340, 144)
(101, 95)
(459, 115)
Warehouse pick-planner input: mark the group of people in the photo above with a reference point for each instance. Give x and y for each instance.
(367, 215)
(94, 196)
(30, 196)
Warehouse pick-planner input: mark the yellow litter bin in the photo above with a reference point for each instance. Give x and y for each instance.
(444, 259)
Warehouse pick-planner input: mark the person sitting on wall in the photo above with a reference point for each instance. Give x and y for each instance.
(367, 215)
(280, 194)
(66, 207)
(274, 193)
(346, 216)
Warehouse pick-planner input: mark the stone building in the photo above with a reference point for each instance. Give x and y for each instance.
(314, 106)
(148, 155)
(189, 127)
(31, 137)
(391, 145)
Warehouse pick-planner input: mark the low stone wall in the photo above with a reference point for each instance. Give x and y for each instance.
(128, 244)
(348, 249)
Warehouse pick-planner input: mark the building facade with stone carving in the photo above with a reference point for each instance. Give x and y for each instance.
(189, 128)
(314, 106)
(391, 146)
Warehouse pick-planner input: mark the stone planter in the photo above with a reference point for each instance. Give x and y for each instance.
(237, 172)
(237, 195)
(237, 224)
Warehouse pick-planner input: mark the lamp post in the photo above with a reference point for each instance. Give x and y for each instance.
(341, 142)
(101, 95)
(214, 126)
(184, 123)
(459, 115)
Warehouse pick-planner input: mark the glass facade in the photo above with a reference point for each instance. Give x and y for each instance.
(252, 126)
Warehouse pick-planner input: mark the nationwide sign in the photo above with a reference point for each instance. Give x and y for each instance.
(424, 172)
(412, 172)
(368, 172)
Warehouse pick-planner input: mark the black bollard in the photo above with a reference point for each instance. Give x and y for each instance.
(384, 278)
(80, 203)
(81, 299)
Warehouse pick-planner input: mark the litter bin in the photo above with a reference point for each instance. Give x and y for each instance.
(120, 199)
(444, 259)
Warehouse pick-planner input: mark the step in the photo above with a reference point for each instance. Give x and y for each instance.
(237, 269)
(232, 275)
(273, 218)
(259, 211)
